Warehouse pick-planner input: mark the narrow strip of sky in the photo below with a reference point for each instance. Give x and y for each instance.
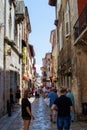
(42, 18)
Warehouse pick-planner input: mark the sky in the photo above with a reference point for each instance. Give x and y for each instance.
(42, 17)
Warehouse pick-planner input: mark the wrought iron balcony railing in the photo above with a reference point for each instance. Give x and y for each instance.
(81, 23)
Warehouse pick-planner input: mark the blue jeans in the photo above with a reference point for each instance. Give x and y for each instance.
(63, 122)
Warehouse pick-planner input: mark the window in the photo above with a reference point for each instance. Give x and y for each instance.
(67, 20)
(10, 25)
(59, 3)
(60, 37)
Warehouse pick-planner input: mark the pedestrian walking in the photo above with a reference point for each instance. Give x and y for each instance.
(52, 96)
(26, 110)
(11, 99)
(18, 95)
(71, 96)
(44, 89)
(64, 106)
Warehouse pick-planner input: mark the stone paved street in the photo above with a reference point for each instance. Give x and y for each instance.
(41, 122)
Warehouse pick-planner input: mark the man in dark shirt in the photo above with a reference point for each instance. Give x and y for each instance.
(64, 106)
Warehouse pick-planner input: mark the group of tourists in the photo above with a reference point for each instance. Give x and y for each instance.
(61, 107)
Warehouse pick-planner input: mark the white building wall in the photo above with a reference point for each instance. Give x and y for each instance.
(7, 18)
(1, 32)
(1, 54)
(13, 22)
(12, 62)
(9, 12)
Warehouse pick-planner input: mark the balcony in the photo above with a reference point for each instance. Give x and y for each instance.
(52, 2)
(80, 30)
(20, 11)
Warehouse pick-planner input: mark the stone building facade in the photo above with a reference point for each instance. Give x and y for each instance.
(28, 54)
(72, 49)
(80, 57)
(14, 16)
(54, 63)
(26, 29)
(46, 69)
(12, 55)
(2, 26)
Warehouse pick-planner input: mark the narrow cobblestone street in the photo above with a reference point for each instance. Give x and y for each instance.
(41, 122)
